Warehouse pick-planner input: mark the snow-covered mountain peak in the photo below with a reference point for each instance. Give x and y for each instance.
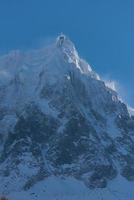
(68, 49)
(57, 60)
(58, 118)
(64, 42)
(25, 74)
(71, 56)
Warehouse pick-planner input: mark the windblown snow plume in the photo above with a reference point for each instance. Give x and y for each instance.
(111, 85)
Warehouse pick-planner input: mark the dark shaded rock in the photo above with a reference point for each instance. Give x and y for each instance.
(101, 175)
(128, 173)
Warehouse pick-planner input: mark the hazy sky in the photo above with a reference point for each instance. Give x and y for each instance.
(102, 30)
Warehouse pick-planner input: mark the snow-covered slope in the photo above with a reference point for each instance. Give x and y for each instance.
(61, 126)
(59, 188)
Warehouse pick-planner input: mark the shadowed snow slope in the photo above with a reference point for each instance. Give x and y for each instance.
(64, 134)
(71, 189)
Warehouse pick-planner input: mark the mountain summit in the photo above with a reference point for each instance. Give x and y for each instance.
(61, 128)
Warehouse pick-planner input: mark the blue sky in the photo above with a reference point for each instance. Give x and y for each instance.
(102, 30)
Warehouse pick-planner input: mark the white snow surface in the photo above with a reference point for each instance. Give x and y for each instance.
(61, 188)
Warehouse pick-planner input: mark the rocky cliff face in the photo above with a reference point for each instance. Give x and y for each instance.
(57, 117)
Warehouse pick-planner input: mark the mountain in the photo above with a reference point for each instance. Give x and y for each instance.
(64, 134)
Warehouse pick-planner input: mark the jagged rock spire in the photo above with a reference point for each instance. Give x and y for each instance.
(60, 39)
